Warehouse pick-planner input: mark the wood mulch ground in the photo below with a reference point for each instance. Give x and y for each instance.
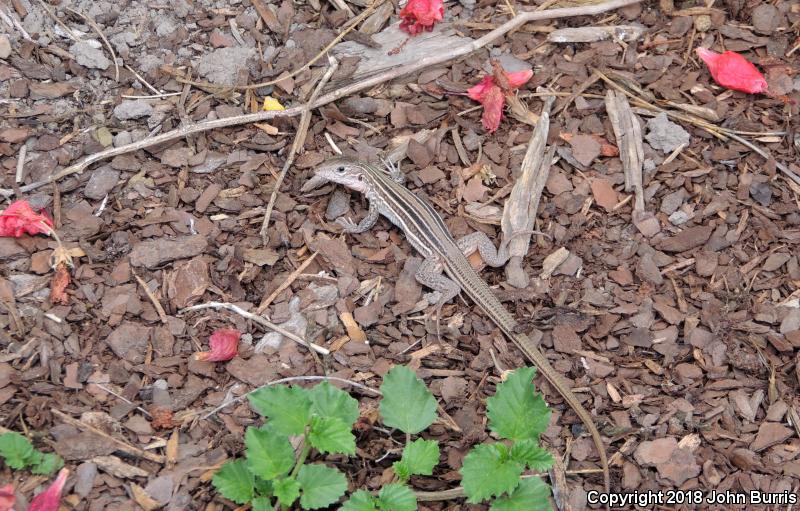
(684, 345)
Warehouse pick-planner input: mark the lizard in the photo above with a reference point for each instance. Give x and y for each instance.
(427, 233)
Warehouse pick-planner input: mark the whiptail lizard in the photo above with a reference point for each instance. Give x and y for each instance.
(428, 234)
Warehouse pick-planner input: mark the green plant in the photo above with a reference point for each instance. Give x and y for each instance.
(321, 418)
(519, 416)
(18, 453)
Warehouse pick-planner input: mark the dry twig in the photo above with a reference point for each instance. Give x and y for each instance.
(96, 28)
(299, 140)
(366, 83)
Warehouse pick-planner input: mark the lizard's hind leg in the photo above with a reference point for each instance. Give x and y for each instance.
(430, 275)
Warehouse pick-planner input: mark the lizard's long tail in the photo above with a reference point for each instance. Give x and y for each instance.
(537, 357)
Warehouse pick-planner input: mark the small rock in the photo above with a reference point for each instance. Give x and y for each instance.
(153, 253)
(775, 261)
(14, 135)
(5, 47)
(687, 239)
(604, 194)
(769, 434)
(129, 341)
(679, 218)
(761, 192)
(223, 66)
(647, 270)
(102, 181)
(664, 135)
(655, 452)
(85, 474)
(585, 149)
(133, 109)
(89, 56)
(431, 174)
(766, 18)
(565, 339)
(122, 138)
(671, 202)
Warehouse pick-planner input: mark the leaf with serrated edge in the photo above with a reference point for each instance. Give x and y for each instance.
(530, 495)
(287, 491)
(360, 501)
(331, 435)
(320, 485)
(261, 504)
(419, 458)
(234, 481)
(488, 471)
(328, 401)
(17, 450)
(47, 463)
(407, 404)
(288, 408)
(269, 454)
(516, 412)
(397, 497)
(526, 451)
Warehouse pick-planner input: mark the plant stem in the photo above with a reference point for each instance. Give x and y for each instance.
(306, 448)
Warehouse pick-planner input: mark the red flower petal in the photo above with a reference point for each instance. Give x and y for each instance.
(7, 498)
(48, 500)
(733, 71)
(20, 218)
(224, 346)
(478, 91)
(519, 78)
(419, 15)
(493, 102)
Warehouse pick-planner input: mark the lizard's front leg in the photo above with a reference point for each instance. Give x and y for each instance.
(478, 241)
(366, 223)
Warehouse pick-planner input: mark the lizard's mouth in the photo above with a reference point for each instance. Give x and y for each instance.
(313, 182)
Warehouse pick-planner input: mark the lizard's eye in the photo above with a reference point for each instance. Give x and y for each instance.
(360, 177)
(340, 170)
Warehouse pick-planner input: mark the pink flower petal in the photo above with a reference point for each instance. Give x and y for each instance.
(419, 15)
(733, 71)
(49, 499)
(19, 218)
(493, 102)
(7, 497)
(224, 346)
(477, 92)
(519, 78)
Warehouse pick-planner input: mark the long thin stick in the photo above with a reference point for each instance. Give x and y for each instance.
(96, 28)
(120, 445)
(299, 141)
(332, 96)
(286, 283)
(261, 321)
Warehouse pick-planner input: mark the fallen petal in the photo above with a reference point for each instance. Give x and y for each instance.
(224, 346)
(419, 15)
(49, 499)
(733, 71)
(7, 497)
(20, 218)
(493, 102)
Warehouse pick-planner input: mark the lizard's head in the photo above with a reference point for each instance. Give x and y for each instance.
(343, 171)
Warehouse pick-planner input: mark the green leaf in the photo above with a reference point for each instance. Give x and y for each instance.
(261, 504)
(328, 401)
(526, 451)
(269, 454)
(17, 450)
(287, 491)
(419, 457)
(407, 404)
(360, 501)
(530, 495)
(263, 487)
(516, 412)
(397, 497)
(234, 481)
(320, 485)
(47, 463)
(288, 408)
(331, 434)
(489, 471)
